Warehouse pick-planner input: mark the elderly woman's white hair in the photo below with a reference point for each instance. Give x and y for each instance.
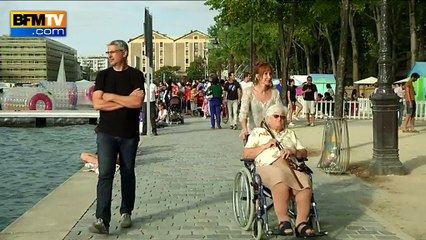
(276, 108)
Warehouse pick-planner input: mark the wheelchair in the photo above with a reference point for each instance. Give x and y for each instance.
(251, 202)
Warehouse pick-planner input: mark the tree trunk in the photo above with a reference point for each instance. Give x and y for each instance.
(231, 63)
(333, 58)
(296, 58)
(320, 59)
(355, 68)
(376, 16)
(422, 41)
(308, 59)
(285, 46)
(422, 45)
(338, 106)
(413, 35)
(278, 65)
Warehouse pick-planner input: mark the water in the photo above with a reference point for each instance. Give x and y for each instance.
(34, 161)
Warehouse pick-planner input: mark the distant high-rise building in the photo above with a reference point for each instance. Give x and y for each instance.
(96, 63)
(31, 60)
(168, 51)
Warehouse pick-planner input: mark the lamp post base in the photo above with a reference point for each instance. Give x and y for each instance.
(385, 133)
(386, 162)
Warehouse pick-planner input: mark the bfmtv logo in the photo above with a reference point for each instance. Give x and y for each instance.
(38, 24)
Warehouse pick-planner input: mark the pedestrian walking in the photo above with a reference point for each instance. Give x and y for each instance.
(232, 98)
(410, 96)
(310, 92)
(118, 95)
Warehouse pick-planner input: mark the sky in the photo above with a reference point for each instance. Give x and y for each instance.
(93, 24)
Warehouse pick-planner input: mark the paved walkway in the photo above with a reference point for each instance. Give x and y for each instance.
(184, 191)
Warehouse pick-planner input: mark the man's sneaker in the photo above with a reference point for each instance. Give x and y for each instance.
(126, 220)
(291, 124)
(99, 227)
(312, 125)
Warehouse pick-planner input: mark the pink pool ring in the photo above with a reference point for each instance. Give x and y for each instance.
(90, 93)
(32, 105)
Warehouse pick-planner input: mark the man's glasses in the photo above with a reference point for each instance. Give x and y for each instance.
(111, 52)
(278, 116)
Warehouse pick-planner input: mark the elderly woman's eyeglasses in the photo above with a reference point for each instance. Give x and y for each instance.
(278, 116)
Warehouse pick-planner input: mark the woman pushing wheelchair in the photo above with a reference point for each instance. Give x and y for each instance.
(276, 169)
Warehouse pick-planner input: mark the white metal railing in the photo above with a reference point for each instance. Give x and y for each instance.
(360, 109)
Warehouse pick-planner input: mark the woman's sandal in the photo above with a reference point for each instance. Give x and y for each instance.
(305, 231)
(285, 228)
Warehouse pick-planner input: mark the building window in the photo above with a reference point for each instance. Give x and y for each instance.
(161, 61)
(195, 37)
(186, 52)
(195, 47)
(161, 52)
(161, 44)
(186, 44)
(187, 61)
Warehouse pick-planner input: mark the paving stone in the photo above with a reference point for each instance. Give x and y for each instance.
(186, 192)
(387, 237)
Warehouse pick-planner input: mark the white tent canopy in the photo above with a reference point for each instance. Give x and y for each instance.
(367, 81)
(403, 80)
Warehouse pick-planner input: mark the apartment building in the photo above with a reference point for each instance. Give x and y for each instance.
(168, 51)
(96, 63)
(31, 60)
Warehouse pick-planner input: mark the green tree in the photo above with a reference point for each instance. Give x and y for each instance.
(196, 70)
(166, 73)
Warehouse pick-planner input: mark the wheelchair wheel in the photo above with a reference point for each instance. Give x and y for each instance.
(242, 196)
(258, 228)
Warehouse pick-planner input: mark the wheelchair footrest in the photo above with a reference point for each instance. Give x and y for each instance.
(320, 234)
(277, 232)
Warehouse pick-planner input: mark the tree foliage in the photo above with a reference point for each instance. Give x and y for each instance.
(196, 70)
(314, 43)
(165, 73)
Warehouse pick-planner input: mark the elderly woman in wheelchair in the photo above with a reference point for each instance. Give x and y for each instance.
(275, 150)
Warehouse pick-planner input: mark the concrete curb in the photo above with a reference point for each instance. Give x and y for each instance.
(56, 214)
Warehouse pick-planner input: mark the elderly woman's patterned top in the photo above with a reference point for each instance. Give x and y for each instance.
(260, 136)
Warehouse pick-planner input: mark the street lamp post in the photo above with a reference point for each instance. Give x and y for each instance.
(385, 107)
(206, 62)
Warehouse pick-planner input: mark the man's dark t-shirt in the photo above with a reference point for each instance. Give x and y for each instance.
(123, 122)
(309, 96)
(232, 90)
(292, 90)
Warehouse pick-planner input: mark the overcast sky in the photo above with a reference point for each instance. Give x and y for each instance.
(92, 24)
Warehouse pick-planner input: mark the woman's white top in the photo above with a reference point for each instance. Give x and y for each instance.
(254, 110)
